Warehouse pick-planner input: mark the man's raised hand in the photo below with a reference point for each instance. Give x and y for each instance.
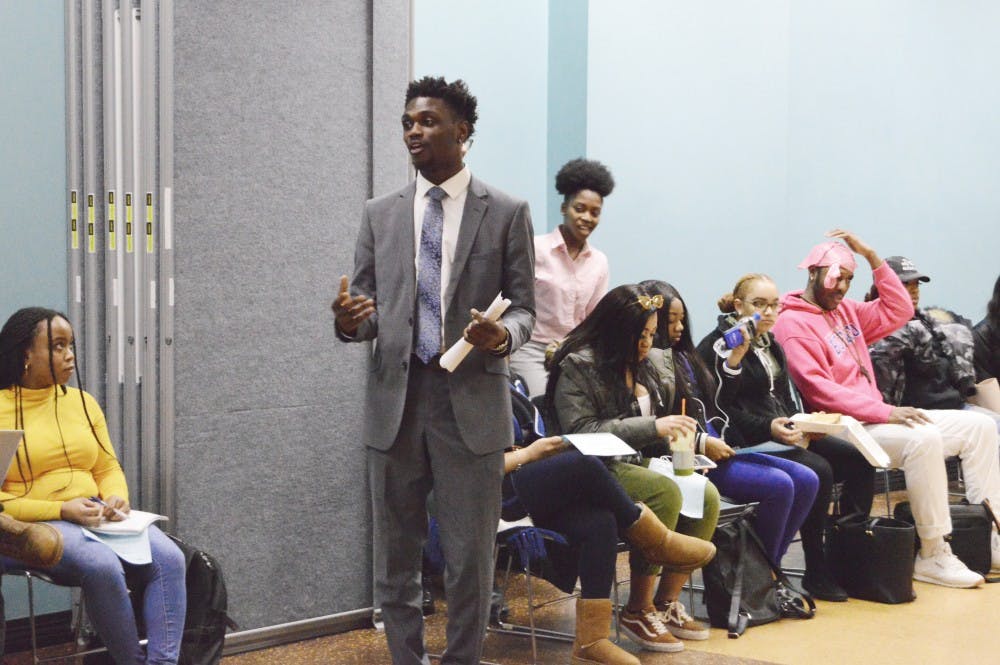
(351, 311)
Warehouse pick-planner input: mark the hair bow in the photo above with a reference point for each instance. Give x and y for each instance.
(650, 302)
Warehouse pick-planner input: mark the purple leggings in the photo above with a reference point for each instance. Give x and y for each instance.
(784, 489)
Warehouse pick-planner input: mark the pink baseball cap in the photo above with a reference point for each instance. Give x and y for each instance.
(833, 254)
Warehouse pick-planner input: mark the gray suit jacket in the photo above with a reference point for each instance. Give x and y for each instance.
(494, 253)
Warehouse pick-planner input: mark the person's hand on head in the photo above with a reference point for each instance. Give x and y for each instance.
(351, 311)
(483, 333)
(856, 245)
(82, 511)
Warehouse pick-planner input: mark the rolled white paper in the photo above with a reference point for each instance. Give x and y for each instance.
(454, 356)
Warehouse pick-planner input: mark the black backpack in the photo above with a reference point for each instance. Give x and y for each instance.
(528, 423)
(743, 587)
(207, 619)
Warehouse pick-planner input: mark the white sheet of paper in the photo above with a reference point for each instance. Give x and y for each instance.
(456, 354)
(136, 522)
(132, 548)
(600, 444)
(692, 487)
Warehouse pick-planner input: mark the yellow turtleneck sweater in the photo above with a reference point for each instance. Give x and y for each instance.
(40, 479)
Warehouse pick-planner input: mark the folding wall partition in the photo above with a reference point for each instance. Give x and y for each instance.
(219, 156)
(117, 234)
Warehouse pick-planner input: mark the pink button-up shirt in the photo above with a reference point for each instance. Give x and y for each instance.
(566, 290)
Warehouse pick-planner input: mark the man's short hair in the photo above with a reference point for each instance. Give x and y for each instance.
(455, 94)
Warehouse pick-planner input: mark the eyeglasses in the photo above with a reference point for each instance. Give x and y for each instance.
(763, 305)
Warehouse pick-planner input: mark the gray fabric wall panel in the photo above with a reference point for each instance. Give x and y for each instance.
(273, 160)
(390, 75)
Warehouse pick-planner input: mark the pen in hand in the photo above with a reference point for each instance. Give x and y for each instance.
(98, 500)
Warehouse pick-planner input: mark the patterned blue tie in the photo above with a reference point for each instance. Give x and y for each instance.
(429, 278)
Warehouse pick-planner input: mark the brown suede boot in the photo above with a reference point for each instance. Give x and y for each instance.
(676, 552)
(592, 646)
(34, 543)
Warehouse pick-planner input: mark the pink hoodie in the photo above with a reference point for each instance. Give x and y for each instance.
(815, 342)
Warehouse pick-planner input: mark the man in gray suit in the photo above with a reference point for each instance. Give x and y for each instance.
(428, 258)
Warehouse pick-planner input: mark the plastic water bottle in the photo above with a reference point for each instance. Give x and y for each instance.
(734, 336)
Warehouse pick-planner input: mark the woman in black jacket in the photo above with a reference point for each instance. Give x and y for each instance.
(758, 399)
(986, 339)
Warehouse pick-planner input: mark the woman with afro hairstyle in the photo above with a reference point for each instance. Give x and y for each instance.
(66, 475)
(570, 274)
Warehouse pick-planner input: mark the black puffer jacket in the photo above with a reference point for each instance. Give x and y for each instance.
(986, 340)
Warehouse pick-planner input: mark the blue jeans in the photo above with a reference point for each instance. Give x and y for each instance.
(786, 491)
(92, 566)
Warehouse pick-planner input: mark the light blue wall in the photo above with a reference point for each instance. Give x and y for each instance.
(33, 165)
(500, 50)
(688, 104)
(740, 133)
(32, 188)
(567, 100)
(893, 131)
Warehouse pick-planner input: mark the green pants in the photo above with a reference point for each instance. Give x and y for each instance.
(663, 497)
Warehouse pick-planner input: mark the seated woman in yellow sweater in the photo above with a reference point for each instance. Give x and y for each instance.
(66, 474)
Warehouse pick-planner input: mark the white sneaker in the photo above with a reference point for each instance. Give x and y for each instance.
(944, 568)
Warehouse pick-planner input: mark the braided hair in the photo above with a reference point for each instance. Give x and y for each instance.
(16, 337)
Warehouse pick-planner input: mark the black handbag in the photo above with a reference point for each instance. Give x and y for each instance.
(971, 533)
(743, 587)
(872, 557)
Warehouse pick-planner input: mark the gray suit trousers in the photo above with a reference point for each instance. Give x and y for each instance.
(428, 453)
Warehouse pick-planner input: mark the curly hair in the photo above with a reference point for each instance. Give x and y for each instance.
(579, 174)
(455, 94)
